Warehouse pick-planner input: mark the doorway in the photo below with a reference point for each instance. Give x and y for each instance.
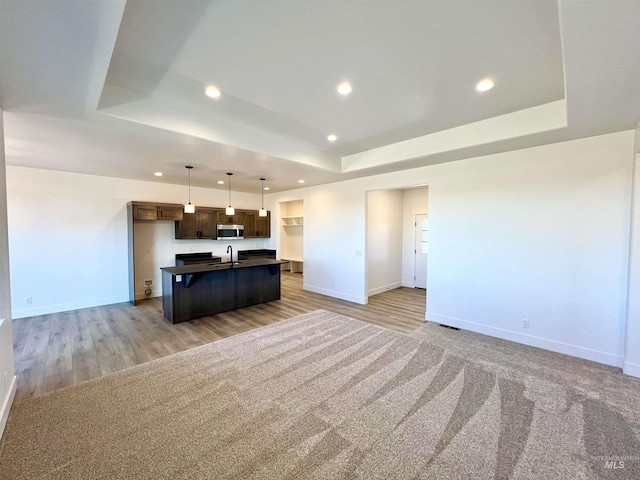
(291, 235)
(421, 236)
(391, 243)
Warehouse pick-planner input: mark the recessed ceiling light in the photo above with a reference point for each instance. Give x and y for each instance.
(300, 181)
(484, 85)
(266, 188)
(212, 91)
(220, 182)
(332, 138)
(158, 174)
(344, 88)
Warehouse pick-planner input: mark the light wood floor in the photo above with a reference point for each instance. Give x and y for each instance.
(61, 349)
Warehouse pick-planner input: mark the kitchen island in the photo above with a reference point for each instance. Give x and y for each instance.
(194, 291)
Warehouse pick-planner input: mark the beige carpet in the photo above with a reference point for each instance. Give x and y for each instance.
(328, 397)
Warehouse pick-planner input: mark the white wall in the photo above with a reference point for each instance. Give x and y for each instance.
(68, 237)
(631, 365)
(384, 241)
(7, 375)
(540, 233)
(415, 202)
(334, 240)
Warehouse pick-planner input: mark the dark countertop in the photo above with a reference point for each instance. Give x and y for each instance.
(186, 256)
(257, 250)
(205, 267)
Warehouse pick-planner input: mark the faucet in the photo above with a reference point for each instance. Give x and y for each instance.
(230, 256)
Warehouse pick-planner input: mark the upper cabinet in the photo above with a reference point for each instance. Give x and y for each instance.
(199, 225)
(263, 228)
(202, 225)
(250, 224)
(237, 219)
(156, 211)
(256, 226)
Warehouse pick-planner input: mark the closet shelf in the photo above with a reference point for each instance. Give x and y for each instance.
(292, 221)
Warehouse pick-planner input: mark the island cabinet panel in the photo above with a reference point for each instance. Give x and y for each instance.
(199, 296)
(196, 291)
(256, 285)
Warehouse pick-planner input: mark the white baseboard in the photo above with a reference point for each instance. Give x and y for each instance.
(384, 288)
(64, 307)
(631, 369)
(533, 341)
(333, 293)
(6, 404)
(408, 284)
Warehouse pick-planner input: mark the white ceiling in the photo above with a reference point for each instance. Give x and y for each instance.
(116, 88)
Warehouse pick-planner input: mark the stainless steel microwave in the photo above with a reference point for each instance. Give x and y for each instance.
(230, 232)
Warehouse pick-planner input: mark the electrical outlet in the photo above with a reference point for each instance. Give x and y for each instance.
(28, 300)
(333, 284)
(148, 283)
(526, 323)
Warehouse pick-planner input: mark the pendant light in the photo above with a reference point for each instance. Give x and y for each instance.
(263, 212)
(188, 208)
(230, 209)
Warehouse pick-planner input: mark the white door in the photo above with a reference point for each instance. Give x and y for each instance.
(422, 243)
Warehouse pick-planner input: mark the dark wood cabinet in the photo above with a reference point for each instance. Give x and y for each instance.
(250, 224)
(224, 219)
(203, 224)
(143, 211)
(199, 225)
(263, 226)
(207, 222)
(256, 226)
(187, 228)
